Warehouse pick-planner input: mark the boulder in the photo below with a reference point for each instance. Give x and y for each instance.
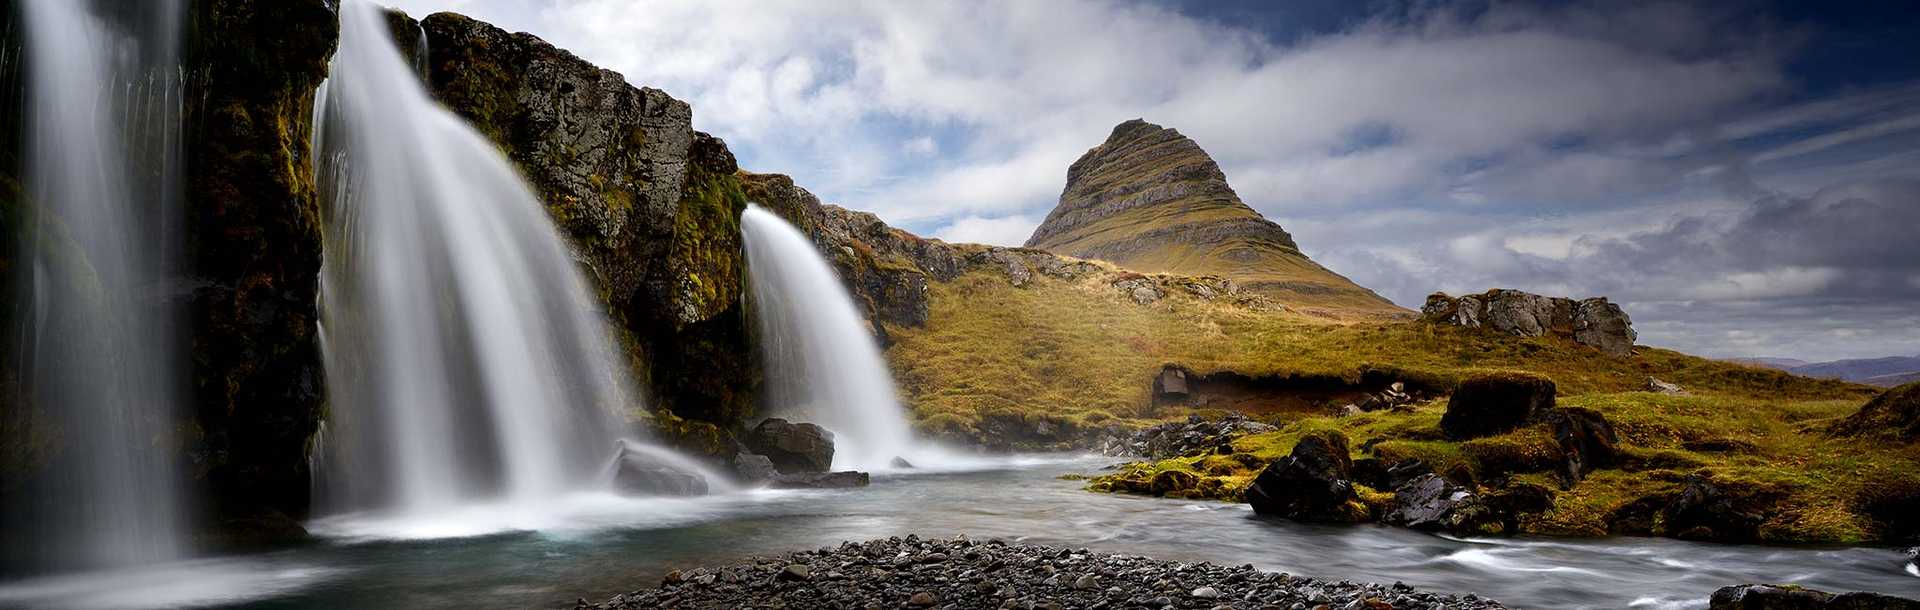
(1894, 413)
(1703, 510)
(1655, 385)
(900, 462)
(1170, 386)
(1313, 483)
(1594, 322)
(821, 480)
(1431, 502)
(1490, 404)
(642, 471)
(752, 467)
(1789, 597)
(793, 448)
(1587, 442)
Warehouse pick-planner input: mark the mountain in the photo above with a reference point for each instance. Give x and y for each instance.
(1151, 200)
(1861, 369)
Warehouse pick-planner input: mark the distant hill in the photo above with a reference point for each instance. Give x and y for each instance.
(1861, 369)
(1151, 200)
(1772, 363)
(1888, 381)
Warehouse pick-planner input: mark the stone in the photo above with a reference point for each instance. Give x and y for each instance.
(821, 480)
(1655, 385)
(1433, 503)
(641, 472)
(1170, 385)
(922, 599)
(796, 572)
(1703, 510)
(752, 467)
(1787, 597)
(793, 448)
(1206, 593)
(1313, 483)
(1587, 442)
(1593, 322)
(1894, 414)
(900, 462)
(1488, 404)
(1086, 582)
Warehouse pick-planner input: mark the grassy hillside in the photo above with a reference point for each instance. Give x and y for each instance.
(1081, 353)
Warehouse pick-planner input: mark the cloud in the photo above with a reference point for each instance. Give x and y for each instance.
(1003, 231)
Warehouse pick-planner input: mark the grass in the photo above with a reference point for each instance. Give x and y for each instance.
(1080, 351)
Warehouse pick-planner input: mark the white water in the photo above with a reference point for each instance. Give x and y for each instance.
(822, 365)
(103, 116)
(469, 370)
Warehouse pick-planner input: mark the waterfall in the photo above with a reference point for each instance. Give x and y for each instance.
(822, 365)
(96, 318)
(467, 362)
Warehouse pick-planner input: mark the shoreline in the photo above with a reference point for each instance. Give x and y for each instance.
(960, 572)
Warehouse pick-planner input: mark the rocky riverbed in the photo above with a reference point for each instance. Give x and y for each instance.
(961, 573)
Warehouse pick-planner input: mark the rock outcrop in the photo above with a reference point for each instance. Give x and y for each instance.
(1313, 483)
(1788, 597)
(1894, 413)
(1196, 436)
(651, 207)
(1151, 200)
(1594, 322)
(1493, 403)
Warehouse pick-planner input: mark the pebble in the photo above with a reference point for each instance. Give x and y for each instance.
(986, 575)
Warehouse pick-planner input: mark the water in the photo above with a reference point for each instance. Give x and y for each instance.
(98, 320)
(822, 365)
(471, 379)
(596, 546)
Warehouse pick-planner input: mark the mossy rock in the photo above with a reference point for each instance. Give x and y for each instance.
(1492, 403)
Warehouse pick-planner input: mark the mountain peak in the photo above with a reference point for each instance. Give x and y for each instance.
(1152, 200)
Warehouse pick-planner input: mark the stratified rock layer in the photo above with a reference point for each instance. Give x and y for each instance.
(1595, 322)
(1151, 200)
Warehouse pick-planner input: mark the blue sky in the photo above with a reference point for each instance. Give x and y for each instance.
(1744, 177)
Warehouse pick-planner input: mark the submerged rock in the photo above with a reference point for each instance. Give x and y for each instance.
(1485, 405)
(1789, 597)
(1313, 483)
(793, 448)
(821, 480)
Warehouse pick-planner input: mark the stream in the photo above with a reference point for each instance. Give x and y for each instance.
(596, 546)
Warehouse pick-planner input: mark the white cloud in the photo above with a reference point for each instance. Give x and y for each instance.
(1003, 231)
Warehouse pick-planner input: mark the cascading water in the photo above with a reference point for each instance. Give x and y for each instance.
(96, 317)
(466, 361)
(822, 365)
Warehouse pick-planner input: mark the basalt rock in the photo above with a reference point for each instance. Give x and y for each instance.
(793, 448)
(1787, 597)
(1431, 502)
(1489, 404)
(1151, 200)
(1313, 483)
(1705, 510)
(1196, 436)
(1587, 442)
(1594, 322)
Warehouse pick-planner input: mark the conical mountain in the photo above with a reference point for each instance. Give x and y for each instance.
(1151, 200)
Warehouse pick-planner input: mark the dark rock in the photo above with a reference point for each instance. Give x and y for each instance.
(649, 472)
(1196, 436)
(1787, 597)
(1704, 510)
(753, 467)
(796, 572)
(793, 448)
(1894, 413)
(1587, 442)
(1377, 474)
(1594, 322)
(821, 480)
(1490, 404)
(1171, 385)
(1435, 504)
(900, 462)
(1313, 483)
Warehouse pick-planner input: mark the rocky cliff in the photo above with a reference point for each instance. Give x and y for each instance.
(1151, 200)
(1594, 322)
(651, 207)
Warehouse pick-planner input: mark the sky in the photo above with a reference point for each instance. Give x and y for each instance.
(1743, 177)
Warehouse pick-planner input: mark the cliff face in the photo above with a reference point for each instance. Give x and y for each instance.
(651, 207)
(1151, 200)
